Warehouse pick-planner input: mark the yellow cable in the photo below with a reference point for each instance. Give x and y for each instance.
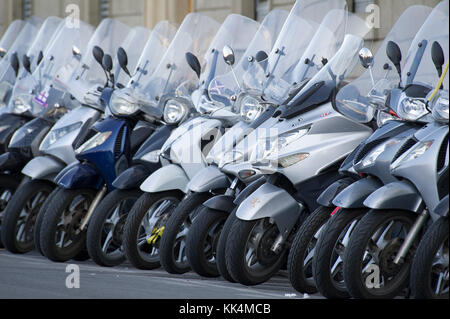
(438, 87)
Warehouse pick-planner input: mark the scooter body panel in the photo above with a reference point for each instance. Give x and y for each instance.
(273, 202)
(209, 178)
(43, 167)
(62, 148)
(355, 194)
(9, 123)
(167, 178)
(401, 195)
(80, 176)
(327, 197)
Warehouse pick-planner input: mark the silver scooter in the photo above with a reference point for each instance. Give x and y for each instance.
(388, 241)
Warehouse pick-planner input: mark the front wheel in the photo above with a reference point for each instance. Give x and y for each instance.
(202, 240)
(61, 236)
(173, 243)
(249, 255)
(145, 225)
(20, 215)
(302, 251)
(430, 269)
(105, 232)
(8, 185)
(369, 268)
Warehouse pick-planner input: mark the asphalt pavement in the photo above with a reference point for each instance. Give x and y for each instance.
(32, 276)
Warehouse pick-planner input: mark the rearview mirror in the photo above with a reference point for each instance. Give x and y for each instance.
(194, 63)
(366, 58)
(228, 55)
(39, 58)
(98, 54)
(395, 55)
(15, 63)
(107, 63)
(26, 63)
(261, 56)
(123, 60)
(437, 54)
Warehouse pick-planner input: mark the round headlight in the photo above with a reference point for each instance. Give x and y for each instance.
(440, 108)
(251, 109)
(121, 106)
(174, 112)
(20, 106)
(412, 109)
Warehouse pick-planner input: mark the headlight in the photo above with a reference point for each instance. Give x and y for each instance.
(270, 147)
(412, 109)
(20, 106)
(251, 109)
(370, 159)
(418, 150)
(152, 157)
(383, 118)
(174, 112)
(120, 106)
(59, 133)
(94, 142)
(440, 108)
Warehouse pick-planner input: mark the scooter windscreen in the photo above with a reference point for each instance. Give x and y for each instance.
(224, 89)
(124, 101)
(41, 91)
(236, 32)
(10, 36)
(89, 75)
(353, 100)
(194, 35)
(20, 46)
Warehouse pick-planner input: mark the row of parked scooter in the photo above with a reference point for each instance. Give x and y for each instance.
(234, 150)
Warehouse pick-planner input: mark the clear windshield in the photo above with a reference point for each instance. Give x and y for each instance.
(38, 90)
(109, 36)
(194, 35)
(223, 87)
(352, 100)
(435, 28)
(43, 39)
(155, 48)
(10, 36)
(133, 45)
(19, 47)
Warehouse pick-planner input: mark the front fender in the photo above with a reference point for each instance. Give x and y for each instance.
(43, 167)
(398, 195)
(354, 195)
(209, 178)
(273, 202)
(223, 203)
(442, 208)
(327, 197)
(167, 178)
(80, 176)
(133, 177)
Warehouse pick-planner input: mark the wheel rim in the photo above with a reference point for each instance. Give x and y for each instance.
(152, 227)
(336, 265)
(5, 197)
(308, 257)
(379, 254)
(27, 218)
(179, 247)
(211, 241)
(258, 255)
(111, 241)
(68, 232)
(439, 276)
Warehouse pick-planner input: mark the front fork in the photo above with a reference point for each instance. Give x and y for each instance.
(100, 195)
(411, 237)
